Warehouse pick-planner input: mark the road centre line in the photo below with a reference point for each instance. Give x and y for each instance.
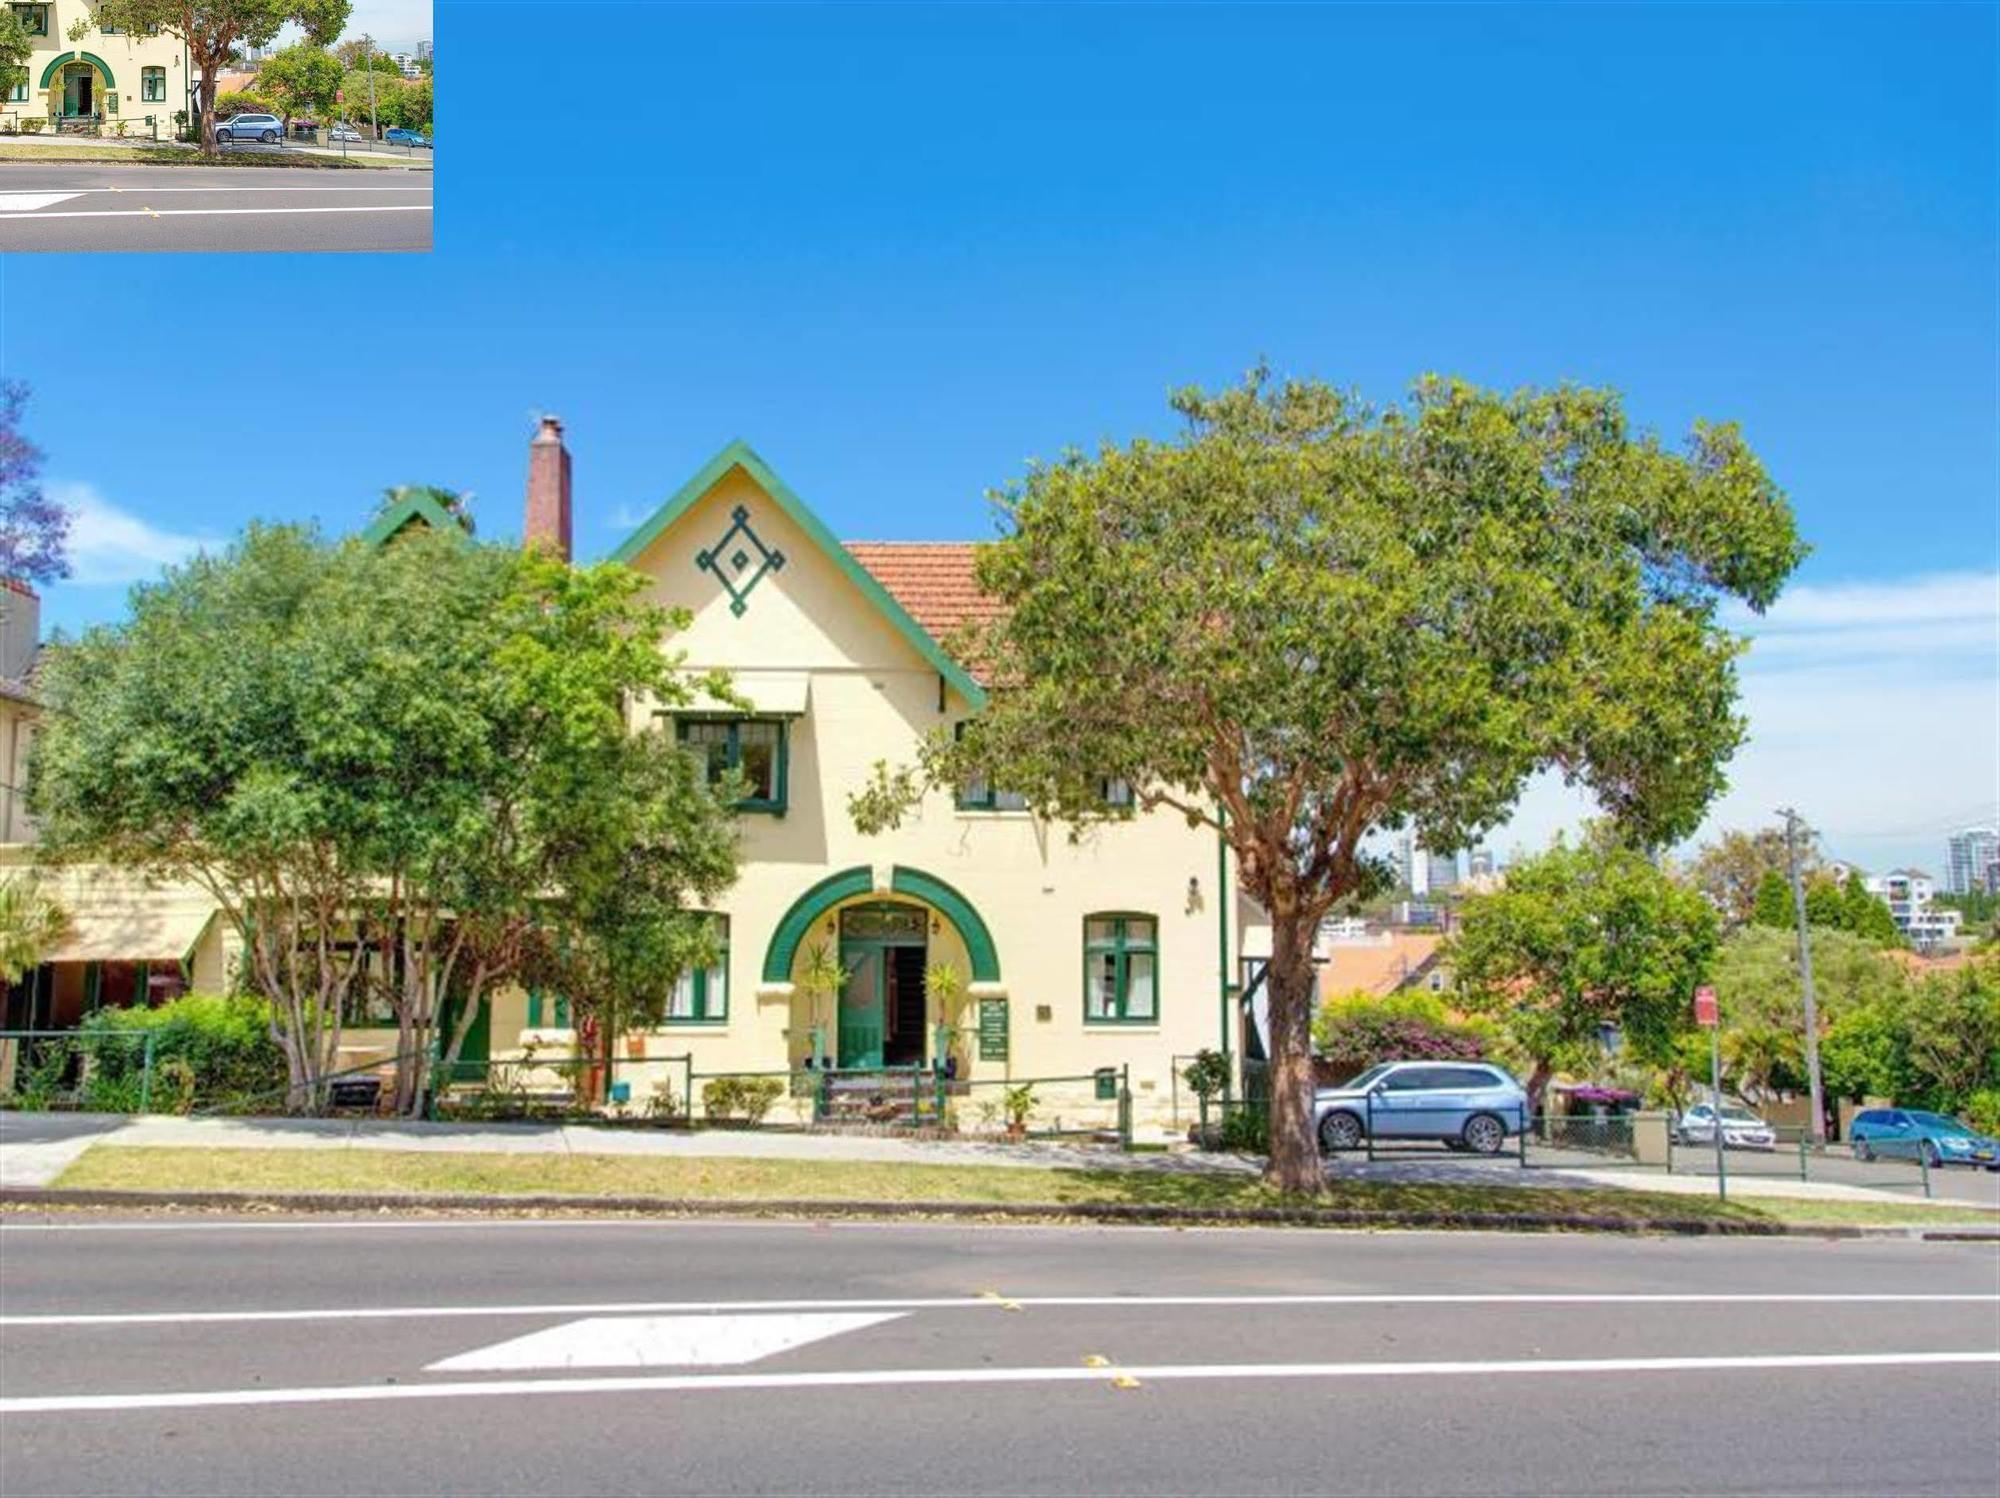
(214, 212)
(974, 1303)
(51, 1404)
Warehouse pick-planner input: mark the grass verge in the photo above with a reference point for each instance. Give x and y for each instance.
(115, 1167)
(167, 156)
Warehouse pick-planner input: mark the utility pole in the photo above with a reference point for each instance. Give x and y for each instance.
(1792, 829)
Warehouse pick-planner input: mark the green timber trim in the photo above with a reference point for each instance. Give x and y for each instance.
(739, 454)
(55, 64)
(808, 908)
(958, 910)
(409, 510)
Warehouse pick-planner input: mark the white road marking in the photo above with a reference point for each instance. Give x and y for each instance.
(355, 187)
(217, 212)
(975, 1303)
(50, 1404)
(659, 1341)
(28, 200)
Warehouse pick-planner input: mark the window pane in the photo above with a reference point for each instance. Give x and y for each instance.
(1101, 986)
(681, 1005)
(1096, 931)
(976, 792)
(718, 991)
(1139, 985)
(1117, 792)
(711, 742)
(1009, 801)
(759, 750)
(1138, 933)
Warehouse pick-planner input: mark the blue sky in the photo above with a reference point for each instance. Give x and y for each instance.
(903, 249)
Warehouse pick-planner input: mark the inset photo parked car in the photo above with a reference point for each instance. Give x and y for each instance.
(264, 127)
(398, 136)
(1462, 1105)
(1741, 1129)
(1907, 1134)
(345, 132)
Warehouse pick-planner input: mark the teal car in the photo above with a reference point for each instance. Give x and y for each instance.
(1908, 1134)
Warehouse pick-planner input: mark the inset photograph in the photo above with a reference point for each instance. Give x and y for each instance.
(161, 125)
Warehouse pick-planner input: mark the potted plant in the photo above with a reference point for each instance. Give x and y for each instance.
(1020, 1106)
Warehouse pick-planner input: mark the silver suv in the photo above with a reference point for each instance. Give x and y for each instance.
(1466, 1105)
(264, 127)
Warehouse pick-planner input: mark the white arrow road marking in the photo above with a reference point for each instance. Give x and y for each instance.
(661, 1383)
(659, 1341)
(14, 202)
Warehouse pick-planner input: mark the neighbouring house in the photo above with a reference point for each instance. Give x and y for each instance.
(1911, 896)
(108, 76)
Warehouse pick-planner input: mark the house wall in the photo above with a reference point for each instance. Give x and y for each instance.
(125, 55)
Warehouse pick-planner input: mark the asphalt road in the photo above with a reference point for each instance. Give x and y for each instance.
(454, 1356)
(99, 206)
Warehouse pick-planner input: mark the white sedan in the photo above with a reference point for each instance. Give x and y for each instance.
(1741, 1129)
(344, 132)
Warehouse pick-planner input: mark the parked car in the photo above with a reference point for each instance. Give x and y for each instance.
(344, 131)
(1741, 1129)
(1905, 1133)
(397, 135)
(264, 127)
(1468, 1105)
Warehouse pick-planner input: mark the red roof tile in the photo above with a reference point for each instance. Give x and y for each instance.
(932, 580)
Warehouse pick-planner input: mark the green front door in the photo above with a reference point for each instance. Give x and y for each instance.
(474, 1054)
(861, 1003)
(77, 87)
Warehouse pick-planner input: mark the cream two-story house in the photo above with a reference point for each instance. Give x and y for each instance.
(104, 75)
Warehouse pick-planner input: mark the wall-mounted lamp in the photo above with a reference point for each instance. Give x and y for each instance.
(1194, 894)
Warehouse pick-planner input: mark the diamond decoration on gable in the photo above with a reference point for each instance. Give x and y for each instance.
(738, 586)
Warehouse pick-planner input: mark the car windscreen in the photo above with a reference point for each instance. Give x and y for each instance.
(1937, 1123)
(1366, 1077)
(1740, 1115)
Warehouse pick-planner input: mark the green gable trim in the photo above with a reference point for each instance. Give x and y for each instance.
(860, 880)
(739, 454)
(808, 908)
(49, 72)
(409, 510)
(956, 909)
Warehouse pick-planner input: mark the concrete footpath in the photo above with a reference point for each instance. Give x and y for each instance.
(36, 1148)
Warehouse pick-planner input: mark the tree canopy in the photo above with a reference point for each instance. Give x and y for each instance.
(300, 80)
(16, 46)
(1310, 619)
(406, 767)
(34, 529)
(1733, 869)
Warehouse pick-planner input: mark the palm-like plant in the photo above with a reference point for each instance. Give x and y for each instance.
(30, 924)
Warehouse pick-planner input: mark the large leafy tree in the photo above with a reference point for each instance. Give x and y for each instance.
(406, 765)
(1763, 1021)
(214, 31)
(1830, 905)
(1732, 870)
(1309, 620)
(16, 46)
(30, 923)
(300, 80)
(34, 529)
(1583, 937)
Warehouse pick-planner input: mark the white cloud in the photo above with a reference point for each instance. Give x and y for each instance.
(626, 516)
(108, 544)
(1874, 708)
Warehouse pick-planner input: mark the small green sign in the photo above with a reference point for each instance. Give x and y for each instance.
(992, 1029)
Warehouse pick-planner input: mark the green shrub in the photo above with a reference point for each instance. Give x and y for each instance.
(756, 1096)
(747, 1098)
(206, 1047)
(1354, 1031)
(1247, 1127)
(1982, 1110)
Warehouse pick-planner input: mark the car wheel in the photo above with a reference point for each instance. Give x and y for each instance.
(222, 137)
(1863, 1151)
(1339, 1131)
(1484, 1134)
(269, 137)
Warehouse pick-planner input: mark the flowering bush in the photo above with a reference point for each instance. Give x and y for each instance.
(1354, 1031)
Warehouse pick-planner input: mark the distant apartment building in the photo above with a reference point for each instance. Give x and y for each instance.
(1970, 860)
(406, 63)
(1421, 871)
(1910, 895)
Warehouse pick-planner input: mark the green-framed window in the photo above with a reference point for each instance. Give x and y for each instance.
(701, 994)
(110, 28)
(554, 1006)
(153, 85)
(1121, 969)
(34, 19)
(977, 793)
(18, 94)
(753, 747)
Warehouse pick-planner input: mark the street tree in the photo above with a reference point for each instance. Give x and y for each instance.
(1583, 937)
(1756, 981)
(214, 31)
(300, 80)
(405, 765)
(1308, 621)
(16, 46)
(34, 529)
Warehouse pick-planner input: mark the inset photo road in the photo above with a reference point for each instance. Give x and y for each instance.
(94, 207)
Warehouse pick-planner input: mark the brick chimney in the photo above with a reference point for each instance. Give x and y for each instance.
(548, 489)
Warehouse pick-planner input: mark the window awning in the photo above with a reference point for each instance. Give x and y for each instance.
(117, 915)
(772, 694)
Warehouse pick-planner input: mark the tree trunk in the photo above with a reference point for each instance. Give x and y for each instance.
(207, 99)
(1538, 1084)
(1294, 1164)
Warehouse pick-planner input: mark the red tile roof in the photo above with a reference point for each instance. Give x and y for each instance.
(933, 581)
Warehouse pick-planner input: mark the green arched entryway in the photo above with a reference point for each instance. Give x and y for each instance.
(72, 90)
(851, 883)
